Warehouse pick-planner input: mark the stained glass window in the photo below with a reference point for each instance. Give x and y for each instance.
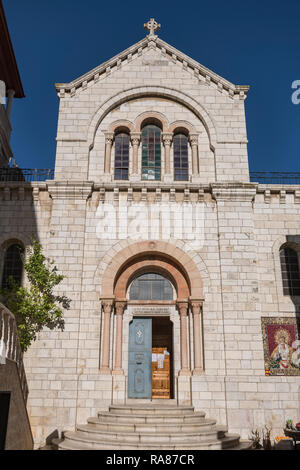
(13, 265)
(121, 156)
(151, 287)
(181, 165)
(151, 152)
(290, 271)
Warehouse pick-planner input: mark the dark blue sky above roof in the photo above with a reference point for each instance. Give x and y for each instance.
(254, 43)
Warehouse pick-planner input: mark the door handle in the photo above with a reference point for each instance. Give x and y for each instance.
(139, 362)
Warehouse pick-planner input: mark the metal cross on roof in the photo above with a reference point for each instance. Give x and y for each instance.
(152, 26)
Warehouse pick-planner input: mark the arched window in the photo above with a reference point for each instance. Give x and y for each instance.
(13, 265)
(181, 164)
(121, 156)
(151, 287)
(151, 152)
(290, 271)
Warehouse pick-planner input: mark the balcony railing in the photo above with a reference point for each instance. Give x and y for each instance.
(38, 174)
(25, 174)
(275, 177)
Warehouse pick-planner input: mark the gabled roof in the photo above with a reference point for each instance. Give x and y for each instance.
(152, 42)
(9, 72)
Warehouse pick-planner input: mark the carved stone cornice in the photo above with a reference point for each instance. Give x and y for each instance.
(69, 189)
(244, 192)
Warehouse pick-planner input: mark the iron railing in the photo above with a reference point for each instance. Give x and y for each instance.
(38, 174)
(275, 177)
(26, 174)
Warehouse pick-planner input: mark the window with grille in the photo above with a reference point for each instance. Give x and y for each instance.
(151, 152)
(13, 265)
(180, 149)
(121, 156)
(151, 287)
(290, 271)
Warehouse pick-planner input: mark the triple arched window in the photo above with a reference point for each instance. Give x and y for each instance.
(12, 265)
(290, 272)
(151, 140)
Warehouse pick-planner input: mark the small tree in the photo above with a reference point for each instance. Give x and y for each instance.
(37, 306)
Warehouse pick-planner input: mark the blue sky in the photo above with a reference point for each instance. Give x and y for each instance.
(254, 43)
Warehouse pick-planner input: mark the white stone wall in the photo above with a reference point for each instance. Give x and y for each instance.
(244, 227)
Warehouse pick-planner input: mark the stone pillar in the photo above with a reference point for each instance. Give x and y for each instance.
(195, 161)
(109, 136)
(135, 141)
(107, 305)
(167, 139)
(185, 370)
(10, 96)
(196, 307)
(120, 306)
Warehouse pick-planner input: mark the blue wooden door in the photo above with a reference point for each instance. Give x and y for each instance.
(140, 358)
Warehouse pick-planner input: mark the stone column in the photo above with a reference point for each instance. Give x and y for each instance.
(135, 141)
(107, 305)
(196, 307)
(195, 161)
(167, 139)
(185, 370)
(109, 136)
(10, 96)
(120, 306)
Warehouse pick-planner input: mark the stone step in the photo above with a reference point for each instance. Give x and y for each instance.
(146, 435)
(107, 417)
(144, 409)
(74, 440)
(203, 425)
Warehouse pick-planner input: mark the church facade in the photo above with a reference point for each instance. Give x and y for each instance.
(183, 274)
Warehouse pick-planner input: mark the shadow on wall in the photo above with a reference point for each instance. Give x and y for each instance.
(19, 207)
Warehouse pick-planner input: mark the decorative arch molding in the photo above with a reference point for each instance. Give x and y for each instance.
(140, 92)
(145, 264)
(121, 123)
(190, 263)
(151, 115)
(182, 125)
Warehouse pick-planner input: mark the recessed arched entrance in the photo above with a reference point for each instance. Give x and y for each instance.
(159, 288)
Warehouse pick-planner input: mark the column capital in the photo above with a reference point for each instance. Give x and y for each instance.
(109, 137)
(182, 306)
(167, 138)
(196, 305)
(107, 303)
(135, 138)
(120, 306)
(194, 139)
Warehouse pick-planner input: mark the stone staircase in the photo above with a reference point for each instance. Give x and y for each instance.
(148, 427)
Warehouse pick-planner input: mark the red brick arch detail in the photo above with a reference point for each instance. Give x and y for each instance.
(139, 266)
(149, 255)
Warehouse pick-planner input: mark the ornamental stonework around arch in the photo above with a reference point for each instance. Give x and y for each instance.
(122, 251)
(139, 92)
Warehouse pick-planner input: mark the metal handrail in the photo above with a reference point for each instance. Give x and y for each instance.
(26, 174)
(275, 177)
